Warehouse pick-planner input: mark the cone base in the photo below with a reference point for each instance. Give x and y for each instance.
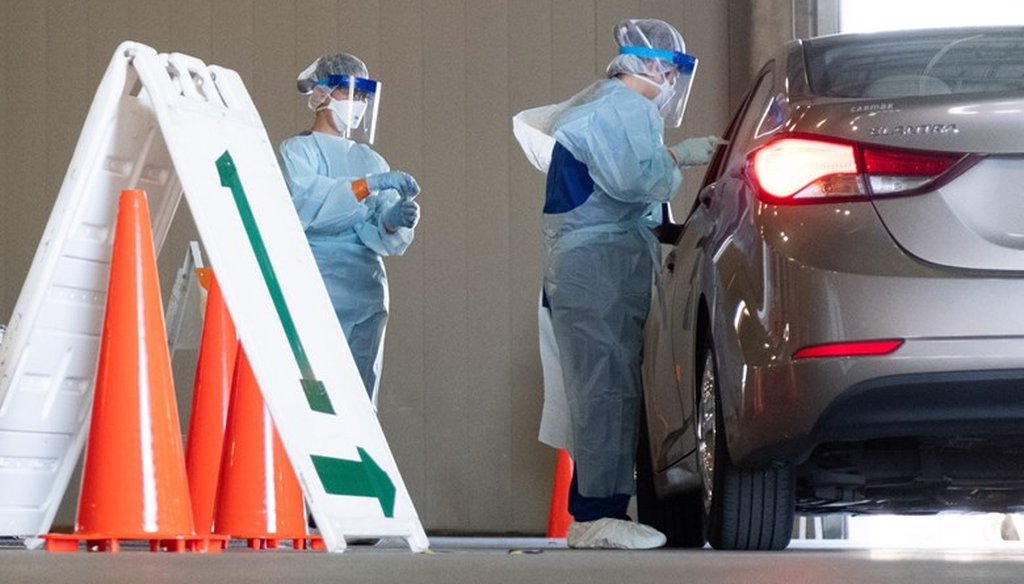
(305, 542)
(94, 542)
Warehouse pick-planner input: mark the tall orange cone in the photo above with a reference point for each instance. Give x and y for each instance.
(133, 480)
(558, 513)
(258, 498)
(218, 351)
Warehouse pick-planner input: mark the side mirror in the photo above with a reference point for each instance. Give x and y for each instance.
(668, 232)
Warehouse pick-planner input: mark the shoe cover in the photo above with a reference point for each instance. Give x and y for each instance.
(608, 533)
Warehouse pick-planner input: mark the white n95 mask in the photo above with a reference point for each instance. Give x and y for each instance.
(665, 89)
(347, 113)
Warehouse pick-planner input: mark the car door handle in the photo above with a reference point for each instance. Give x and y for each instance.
(706, 194)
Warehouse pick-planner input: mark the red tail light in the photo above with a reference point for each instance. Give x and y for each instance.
(813, 169)
(849, 349)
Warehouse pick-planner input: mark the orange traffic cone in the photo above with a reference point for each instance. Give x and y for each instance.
(259, 498)
(558, 513)
(218, 350)
(133, 481)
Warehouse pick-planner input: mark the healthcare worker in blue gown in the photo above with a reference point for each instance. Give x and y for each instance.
(608, 172)
(353, 207)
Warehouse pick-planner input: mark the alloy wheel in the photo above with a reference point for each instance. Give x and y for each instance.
(706, 432)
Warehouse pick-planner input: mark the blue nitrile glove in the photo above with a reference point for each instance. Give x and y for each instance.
(402, 182)
(404, 213)
(695, 151)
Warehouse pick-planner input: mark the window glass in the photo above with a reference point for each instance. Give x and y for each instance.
(912, 64)
(717, 160)
(751, 118)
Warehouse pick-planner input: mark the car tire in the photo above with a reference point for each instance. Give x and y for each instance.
(750, 509)
(680, 516)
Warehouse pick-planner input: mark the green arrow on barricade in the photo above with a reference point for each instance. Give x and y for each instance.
(362, 478)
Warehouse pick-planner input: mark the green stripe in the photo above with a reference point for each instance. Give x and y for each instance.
(316, 393)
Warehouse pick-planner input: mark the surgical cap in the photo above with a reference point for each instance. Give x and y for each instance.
(651, 33)
(330, 64)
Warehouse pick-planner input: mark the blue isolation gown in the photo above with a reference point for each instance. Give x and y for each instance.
(608, 175)
(348, 237)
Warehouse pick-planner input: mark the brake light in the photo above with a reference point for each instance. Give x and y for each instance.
(793, 165)
(812, 169)
(850, 349)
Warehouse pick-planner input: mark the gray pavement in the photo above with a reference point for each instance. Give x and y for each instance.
(478, 560)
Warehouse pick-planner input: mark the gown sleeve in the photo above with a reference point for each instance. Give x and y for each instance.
(324, 204)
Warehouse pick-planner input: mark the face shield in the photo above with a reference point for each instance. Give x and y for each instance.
(353, 104)
(682, 68)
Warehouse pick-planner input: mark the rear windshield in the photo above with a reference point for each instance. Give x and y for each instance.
(911, 64)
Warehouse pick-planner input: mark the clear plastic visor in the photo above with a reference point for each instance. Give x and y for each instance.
(672, 110)
(353, 103)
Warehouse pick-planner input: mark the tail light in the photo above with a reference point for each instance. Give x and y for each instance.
(815, 169)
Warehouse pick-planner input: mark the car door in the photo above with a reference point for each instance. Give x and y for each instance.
(671, 336)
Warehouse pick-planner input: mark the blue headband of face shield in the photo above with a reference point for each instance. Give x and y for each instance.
(685, 63)
(360, 84)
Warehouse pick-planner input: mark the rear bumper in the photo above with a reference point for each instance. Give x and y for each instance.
(929, 387)
(961, 368)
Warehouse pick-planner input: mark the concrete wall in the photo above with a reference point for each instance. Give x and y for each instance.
(775, 22)
(461, 392)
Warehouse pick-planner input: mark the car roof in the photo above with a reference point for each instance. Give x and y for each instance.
(835, 40)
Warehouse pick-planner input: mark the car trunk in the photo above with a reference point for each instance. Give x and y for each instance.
(973, 221)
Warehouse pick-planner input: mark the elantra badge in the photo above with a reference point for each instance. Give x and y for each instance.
(914, 130)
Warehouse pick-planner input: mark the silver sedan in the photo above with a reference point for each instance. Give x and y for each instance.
(837, 327)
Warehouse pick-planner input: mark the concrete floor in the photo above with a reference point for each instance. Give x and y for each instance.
(458, 560)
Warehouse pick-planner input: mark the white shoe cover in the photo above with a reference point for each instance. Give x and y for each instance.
(608, 533)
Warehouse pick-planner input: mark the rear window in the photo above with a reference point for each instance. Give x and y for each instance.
(912, 64)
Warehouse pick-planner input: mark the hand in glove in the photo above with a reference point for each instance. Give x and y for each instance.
(404, 213)
(695, 151)
(402, 182)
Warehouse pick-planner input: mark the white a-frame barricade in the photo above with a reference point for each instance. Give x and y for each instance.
(168, 123)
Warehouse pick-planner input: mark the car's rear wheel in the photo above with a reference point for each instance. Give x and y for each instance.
(678, 516)
(744, 509)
